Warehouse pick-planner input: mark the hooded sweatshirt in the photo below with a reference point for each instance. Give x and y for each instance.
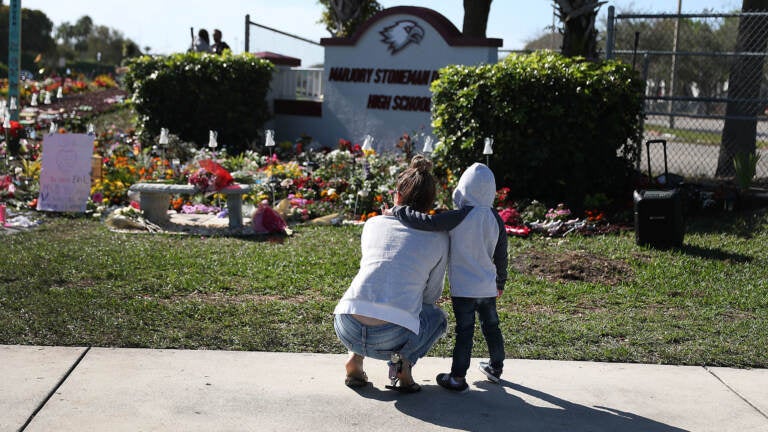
(477, 265)
(401, 268)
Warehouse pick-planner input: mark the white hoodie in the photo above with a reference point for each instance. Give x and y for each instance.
(471, 270)
(401, 269)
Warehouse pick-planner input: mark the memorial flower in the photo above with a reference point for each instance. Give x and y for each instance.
(559, 213)
(510, 216)
(210, 177)
(405, 143)
(7, 188)
(199, 209)
(13, 135)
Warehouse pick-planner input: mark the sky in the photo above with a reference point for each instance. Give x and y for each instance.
(164, 26)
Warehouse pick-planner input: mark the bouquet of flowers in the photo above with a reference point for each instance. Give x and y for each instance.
(559, 213)
(211, 177)
(513, 222)
(13, 135)
(267, 221)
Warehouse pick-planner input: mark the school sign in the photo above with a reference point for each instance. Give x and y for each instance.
(377, 81)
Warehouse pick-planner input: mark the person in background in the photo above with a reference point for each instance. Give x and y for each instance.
(389, 311)
(202, 42)
(218, 45)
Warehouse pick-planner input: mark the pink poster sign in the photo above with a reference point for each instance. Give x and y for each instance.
(65, 175)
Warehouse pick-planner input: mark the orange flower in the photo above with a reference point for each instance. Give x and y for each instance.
(594, 215)
(177, 203)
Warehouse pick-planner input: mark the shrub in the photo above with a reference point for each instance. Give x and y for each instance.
(563, 128)
(193, 93)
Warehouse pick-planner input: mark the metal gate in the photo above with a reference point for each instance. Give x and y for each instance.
(686, 61)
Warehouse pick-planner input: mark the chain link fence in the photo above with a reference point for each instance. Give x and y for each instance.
(705, 85)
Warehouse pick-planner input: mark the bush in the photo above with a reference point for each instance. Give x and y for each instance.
(193, 93)
(563, 128)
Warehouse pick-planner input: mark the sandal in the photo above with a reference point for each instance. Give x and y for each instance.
(412, 388)
(356, 380)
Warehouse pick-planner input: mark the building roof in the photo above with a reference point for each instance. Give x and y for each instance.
(278, 59)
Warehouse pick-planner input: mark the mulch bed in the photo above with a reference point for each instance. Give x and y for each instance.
(83, 105)
(98, 101)
(568, 266)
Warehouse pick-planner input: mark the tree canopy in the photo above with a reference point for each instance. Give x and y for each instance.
(343, 17)
(86, 41)
(83, 41)
(36, 40)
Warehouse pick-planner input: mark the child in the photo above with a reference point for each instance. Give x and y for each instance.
(477, 269)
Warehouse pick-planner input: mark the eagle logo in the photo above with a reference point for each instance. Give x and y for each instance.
(400, 34)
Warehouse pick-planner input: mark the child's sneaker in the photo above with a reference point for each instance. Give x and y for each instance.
(491, 372)
(446, 381)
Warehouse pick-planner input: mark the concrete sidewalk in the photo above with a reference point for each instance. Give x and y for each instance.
(103, 389)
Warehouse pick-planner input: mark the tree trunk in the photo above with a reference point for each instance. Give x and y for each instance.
(744, 83)
(476, 17)
(343, 12)
(579, 33)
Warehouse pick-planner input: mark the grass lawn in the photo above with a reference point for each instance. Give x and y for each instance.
(694, 136)
(74, 282)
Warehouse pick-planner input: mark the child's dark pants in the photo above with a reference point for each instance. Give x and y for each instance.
(464, 310)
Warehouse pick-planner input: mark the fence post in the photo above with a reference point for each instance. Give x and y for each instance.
(675, 39)
(610, 33)
(646, 67)
(247, 32)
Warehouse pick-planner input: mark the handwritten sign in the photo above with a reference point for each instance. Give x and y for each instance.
(65, 175)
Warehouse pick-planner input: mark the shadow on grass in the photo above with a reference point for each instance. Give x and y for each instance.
(714, 254)
(742, 224)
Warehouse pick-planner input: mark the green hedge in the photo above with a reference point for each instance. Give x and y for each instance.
(563, 128)
(192, 93)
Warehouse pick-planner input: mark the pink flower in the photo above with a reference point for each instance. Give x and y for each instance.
(510, 216)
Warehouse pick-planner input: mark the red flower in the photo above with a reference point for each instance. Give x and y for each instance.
(222, 178)
(510, 216)
(5, 181)
(15, 131)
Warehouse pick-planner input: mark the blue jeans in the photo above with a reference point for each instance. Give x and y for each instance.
(379, 342)
(464, 309)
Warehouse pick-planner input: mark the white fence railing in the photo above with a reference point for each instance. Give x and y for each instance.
(298, 83)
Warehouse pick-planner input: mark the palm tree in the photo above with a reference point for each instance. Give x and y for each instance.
(476, 17)
(343, 17)
(744, 83)
(579, 33)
